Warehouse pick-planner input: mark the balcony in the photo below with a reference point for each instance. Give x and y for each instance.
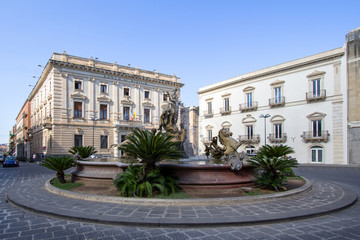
(225, 111)
(277, 139)
(310, 136)
(208, 114)
(314, 96)
(246, 107)
(47, 123)
(127, 123)
(254, 139)
(277, 102)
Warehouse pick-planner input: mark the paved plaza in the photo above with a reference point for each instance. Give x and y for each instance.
(331, 185)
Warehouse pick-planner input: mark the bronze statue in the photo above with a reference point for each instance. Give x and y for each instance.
(214, 149)
(168, 118)
(231, 146)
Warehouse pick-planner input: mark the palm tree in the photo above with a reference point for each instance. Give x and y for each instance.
(274, 151)
(82, 152)
(273, 162)
(59, 164)
(151, 148)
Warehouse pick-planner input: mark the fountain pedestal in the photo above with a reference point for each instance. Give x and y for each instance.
(191, 176)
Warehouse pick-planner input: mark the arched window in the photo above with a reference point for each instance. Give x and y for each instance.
(317, 154)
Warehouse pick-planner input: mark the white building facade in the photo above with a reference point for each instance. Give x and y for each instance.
(85, 102)
(302, 104)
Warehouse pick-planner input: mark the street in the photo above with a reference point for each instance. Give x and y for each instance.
(16, 223)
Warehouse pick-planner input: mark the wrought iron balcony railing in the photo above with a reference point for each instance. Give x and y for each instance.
(224, 111)
(277, 102)
(316, 95)
(316, 136)
(250, 139)
(208, 114)
(250, 106)
(277, 138)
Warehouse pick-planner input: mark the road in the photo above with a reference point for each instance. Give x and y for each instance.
(16, 223)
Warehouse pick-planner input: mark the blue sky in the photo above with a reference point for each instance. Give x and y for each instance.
(202, 42)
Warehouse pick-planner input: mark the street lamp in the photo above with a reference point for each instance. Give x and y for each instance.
(265, 117)
(93, 119)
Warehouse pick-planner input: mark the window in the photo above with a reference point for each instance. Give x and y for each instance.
(316, 128)
(250, 149)
(77, 85)
(209, 135)
(103, 111)
(249, 132)
(165, 96)
(104, 141)
(226, 105)
(209, 108)
(126, 92)
(278, 131)
(77, 109)
(317, 154)
(316, 90)
(147, 94)
(146, 115)
(249, 100)
(126, 113)
(277, 95)
(78, 140)
(103, 88)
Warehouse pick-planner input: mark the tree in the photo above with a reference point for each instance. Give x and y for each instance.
(82, 152)
(143, 180)
(59, 164)
(273, 163)
(151, 148)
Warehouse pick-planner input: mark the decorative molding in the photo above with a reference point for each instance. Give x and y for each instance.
(226, 95)
(78, 95)
(104, 99)
(248, 119)
(316, 116)
(226, 124)
(277, 119)
(277, 82)
(248, 89)
(316, 73)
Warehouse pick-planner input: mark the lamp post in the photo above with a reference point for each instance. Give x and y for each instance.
(93, 119)
(265, 117)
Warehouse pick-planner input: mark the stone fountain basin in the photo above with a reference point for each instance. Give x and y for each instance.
(191, 176)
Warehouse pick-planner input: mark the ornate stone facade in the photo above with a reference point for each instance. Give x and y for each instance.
(79, 101)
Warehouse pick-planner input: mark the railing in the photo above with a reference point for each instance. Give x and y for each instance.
(276, 138)
(316, 136)
(250, 139)
(251, 106)
(208, 114)
(224, 111)
(316, 95)
(277, 102)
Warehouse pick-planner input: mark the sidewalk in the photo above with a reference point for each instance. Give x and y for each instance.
(322, 198)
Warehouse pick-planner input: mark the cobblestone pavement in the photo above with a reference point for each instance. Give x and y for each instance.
(16, 223)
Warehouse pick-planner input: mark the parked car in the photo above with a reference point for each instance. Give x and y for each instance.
(10, 161)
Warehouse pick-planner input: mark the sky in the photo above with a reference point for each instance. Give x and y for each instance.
(200, 41)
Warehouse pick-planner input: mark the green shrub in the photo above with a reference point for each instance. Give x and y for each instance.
(132, 182)
(59, 164)
(82, 152)
(274, 166)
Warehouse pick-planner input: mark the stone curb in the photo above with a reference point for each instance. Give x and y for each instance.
(176, 202)
(347, 199)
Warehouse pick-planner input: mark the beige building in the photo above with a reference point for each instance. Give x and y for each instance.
(85, 102)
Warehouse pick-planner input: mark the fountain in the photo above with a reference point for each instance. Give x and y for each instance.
(194, 174)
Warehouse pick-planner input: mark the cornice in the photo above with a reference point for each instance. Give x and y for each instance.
(115, 73)
(271, 71)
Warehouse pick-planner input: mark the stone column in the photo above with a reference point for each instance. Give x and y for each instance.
(116, 141)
